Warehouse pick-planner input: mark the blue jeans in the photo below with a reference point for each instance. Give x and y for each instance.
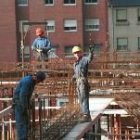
(21, 117)
(83, 95)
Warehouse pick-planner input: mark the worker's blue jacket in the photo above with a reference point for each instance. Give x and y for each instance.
(21, 99)
(41, 43)
(24, 91)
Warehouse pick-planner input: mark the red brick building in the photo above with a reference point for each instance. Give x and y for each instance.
(69, 23)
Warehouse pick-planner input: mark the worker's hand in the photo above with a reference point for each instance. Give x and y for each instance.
(39, 50)
(91, 49)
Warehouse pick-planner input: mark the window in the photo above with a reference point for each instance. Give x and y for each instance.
(22, 2)
(26, 52)
(25, 27)
(68, 51)
(90, 1)
(121, 15)
(92, 25)
(69, 1)
(122, 44)
(49, 2)
(139, 43)
(138, 15)
(50, 25)
(70, 25)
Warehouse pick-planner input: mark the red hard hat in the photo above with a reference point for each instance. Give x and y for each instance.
(39, 31)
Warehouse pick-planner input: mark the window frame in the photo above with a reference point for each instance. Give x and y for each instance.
(90, 2)
(70, 28)
(138, 14)
(121, 19)
(139, 43)
(49, 4)
(69, 3)
(25, 27)
(88, 24)
(25, 4)
(69, 53)
(27, 52)
(47, 27)
(119, 46)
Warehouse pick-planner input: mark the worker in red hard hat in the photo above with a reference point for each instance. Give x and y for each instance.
(41, 45)
(22, 100)
(80, 76)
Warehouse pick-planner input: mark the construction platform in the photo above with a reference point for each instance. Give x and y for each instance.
(114, 99)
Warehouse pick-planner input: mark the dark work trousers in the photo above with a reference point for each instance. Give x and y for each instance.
(83, 94)
(40, 56)
(21, 117)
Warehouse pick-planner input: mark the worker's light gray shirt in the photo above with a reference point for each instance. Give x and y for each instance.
(81, 66)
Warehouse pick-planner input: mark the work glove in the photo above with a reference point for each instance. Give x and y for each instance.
(91, 49)
(39, 50)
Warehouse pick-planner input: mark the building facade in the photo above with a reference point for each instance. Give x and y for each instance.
(67, 23)
(124, 25)
(8, 37)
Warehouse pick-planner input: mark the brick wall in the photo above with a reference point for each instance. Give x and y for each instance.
(8, 51)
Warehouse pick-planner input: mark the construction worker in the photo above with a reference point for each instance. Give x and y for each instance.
(82, 85)
(21, 102)
(41, 45)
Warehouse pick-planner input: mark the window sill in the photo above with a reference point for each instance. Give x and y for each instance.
(91, 3)
(49, 5)
(70, 4)
(125, 23)
(93, 30)
(23, 5)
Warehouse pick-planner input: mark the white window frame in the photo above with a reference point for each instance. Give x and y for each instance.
(92, 24)
(90, 2)
(69, 3)
(71, 25)
(50, 26)
(49, 3)
(25, 28)
(23, 4)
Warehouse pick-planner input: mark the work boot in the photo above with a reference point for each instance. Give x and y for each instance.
(85, 118)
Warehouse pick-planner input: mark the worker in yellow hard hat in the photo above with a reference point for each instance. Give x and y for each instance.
(80, 76)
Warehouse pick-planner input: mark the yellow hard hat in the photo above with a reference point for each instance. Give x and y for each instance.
(76, 49)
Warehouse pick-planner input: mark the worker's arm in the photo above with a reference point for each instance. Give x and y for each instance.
(47, 45)
(91, 54)
(34, 45)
